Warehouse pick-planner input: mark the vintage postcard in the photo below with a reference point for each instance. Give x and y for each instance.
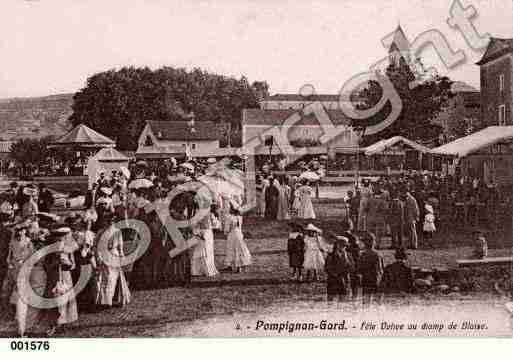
(242, 169)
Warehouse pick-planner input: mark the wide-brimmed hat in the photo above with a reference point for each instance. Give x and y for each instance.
(342, 240)
(211, 160)
(106, 190)
(429, 208)
(61, 231)
(6, 208)
(311, 228)
(29, 191)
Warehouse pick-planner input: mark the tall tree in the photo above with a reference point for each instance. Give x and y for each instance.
(422, 100)
(29, 153)
(118, 103)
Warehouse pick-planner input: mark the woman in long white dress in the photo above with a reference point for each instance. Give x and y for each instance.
(111, 274)
(237, 252)
(314, 258)
(202, 262)
(303, 201)
(284, 201)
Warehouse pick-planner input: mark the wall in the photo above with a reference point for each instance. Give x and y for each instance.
(491, 97)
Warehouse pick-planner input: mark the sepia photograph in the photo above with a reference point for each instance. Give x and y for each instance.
(248, 169)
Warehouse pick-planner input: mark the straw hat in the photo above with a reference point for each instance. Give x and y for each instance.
(311, 228)
(429, 208)
(61, 231)
(28, 191)
(211, 160)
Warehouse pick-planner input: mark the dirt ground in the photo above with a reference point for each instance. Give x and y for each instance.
(265, 289)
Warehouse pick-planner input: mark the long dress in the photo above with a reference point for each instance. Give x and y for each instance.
(27, 314)
(237, 252)
(283, 203)
(314, 259)
(272, 194)
(112, 278)
(68, 312)
(303, 202)
(260, 199)
(19, 250)
(202, 262)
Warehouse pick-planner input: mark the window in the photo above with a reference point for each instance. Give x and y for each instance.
(501, 82)
(502, 115)
(193, 146)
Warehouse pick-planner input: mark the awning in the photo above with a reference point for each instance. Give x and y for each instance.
(469, 144)
(83, 136)
(382, 145)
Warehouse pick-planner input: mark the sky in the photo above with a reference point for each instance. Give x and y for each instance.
(52, 46)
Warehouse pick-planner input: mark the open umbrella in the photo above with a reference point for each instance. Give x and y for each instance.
(140, 183)
(142, 163)
(310, 176)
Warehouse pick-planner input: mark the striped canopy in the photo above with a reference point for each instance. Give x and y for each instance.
(83, 136)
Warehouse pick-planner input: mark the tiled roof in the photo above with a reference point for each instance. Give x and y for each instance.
(496, 48)
(278, 117)
(84, 136)
(181, 131)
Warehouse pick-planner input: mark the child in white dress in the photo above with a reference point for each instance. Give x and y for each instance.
(237, 252)
(429, 224)
(314, 257)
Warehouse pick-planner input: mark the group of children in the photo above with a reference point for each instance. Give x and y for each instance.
(350, 267)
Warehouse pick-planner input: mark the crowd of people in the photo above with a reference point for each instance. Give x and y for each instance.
(406, 208)
(28, 226)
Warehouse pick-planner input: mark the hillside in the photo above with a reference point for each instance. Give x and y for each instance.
(35, 117)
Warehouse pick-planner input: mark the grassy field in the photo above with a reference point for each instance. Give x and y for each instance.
(265, 288)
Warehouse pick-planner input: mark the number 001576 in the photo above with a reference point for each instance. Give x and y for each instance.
(33, 345)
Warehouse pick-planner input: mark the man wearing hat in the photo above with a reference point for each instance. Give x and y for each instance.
(30, 207)
(370, 267)
(339, 265)
(398, 276)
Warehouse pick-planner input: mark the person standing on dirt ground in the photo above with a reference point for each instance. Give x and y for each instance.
(411, 214)
(370, 268)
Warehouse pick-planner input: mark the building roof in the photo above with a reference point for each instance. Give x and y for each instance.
(181, 131)
(5, 146)
(258, 117)
(384, 144)
(497, 47)
(460, 86)
(469, 144)
(399, 42)
(300, 98)
(110, 155)
(84, 136)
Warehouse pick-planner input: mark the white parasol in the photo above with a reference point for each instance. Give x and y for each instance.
(310, 176)
(140, 183)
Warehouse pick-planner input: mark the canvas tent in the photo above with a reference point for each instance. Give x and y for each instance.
(83, 137)
(487, 154)
(386, 144)
(106, 160)
(467, 145)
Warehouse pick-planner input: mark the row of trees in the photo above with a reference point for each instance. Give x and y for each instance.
(117, 103)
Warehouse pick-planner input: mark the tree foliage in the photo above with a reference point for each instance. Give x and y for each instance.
(421, 103)
(29, 152)
(117, 103)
